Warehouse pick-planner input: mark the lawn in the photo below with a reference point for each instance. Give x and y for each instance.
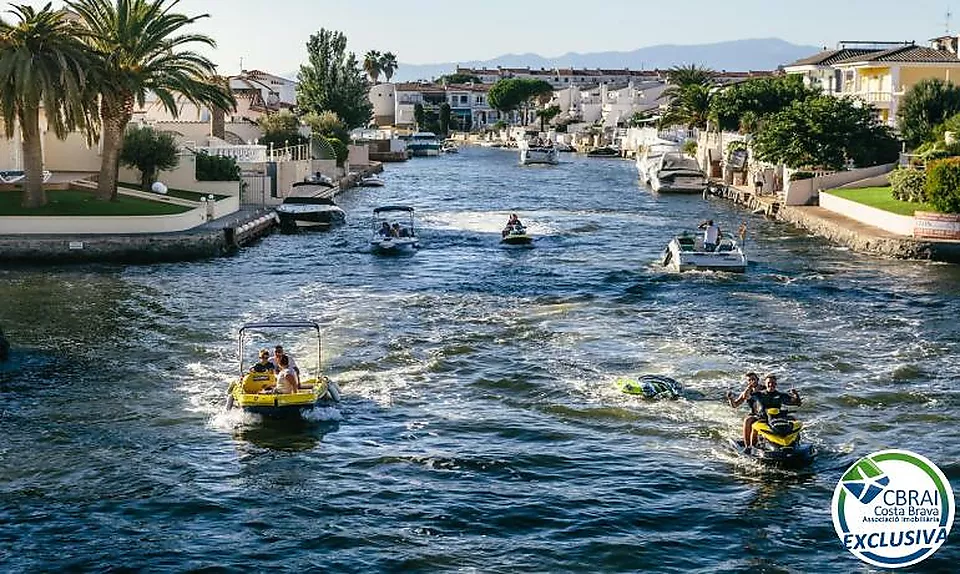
(74, 202)
(881, 198)
(181, 193)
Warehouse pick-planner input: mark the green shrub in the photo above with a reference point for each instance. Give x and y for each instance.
(216, 168)
(340, 149)
(943, 184)
(798, 175)
(908, 184)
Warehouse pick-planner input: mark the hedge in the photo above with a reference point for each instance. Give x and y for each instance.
(908, 184)
(943, 184)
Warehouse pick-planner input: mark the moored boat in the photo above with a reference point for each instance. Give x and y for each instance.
(424, 144)
(685, 253)
(648, 157)
(678, 173)
(370, 181)
(308, 207)
(258, 392)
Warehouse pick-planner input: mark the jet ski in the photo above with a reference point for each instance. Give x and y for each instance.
(651, 387)
(778, 442)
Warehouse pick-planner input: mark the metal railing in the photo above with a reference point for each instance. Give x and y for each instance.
(241, 153)
(290, 153)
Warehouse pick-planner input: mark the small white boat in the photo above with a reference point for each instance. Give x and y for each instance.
(389, 242)
(424, 144)
(309, 207)
(678, 173)
(648, 157)
(370, 181)
(533, 153)
(449, 146)
(686, 253)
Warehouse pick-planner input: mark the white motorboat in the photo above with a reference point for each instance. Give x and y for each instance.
(449, 146)
(534, 153)
(686, 253)
(678, 173)
(389, 235)
(648, 157)
(309, 207)
(423, 144)
(370, 181)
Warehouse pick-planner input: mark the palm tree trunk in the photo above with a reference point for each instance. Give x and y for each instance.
(114, 117)
(33, 194)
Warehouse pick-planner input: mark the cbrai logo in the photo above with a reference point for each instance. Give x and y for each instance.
(893, 508)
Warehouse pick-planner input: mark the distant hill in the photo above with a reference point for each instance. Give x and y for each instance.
(736, 55)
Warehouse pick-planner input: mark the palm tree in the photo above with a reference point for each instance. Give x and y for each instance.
(689, 95)
(682, 76)
(547, 114)
(138, 48)
(388, 64)
(371, 65)
(41, 63)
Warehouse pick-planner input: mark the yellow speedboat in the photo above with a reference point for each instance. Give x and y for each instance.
(258, 393)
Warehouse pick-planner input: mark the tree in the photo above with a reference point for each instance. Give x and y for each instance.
(150, 151)
(924, 106)
(372, 65)
(326, 124)
(510, 94)
(141, 46)
(691, 75)
(418, 115)
(280, 129)
(825, 131)
(333, 81)
(42, 63)
(458, 78)
(547, 114)
(743, 106)
(388, 64)
(688, 97)
(444, 118)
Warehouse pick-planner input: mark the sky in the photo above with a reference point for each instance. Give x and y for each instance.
(270, 35)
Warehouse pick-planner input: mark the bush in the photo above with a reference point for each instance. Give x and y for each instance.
(908, 184)
(798, 175)
(943, 184)
(216, 168)
(340, 149)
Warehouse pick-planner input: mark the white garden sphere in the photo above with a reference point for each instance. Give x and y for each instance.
(159, 187)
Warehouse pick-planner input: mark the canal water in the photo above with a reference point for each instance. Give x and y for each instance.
(480, 428)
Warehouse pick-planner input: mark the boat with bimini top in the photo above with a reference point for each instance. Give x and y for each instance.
(259, 392)
(390, 237)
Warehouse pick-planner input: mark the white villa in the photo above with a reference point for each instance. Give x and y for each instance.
(394, 104)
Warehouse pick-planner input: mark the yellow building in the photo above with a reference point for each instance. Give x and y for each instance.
(879, 76)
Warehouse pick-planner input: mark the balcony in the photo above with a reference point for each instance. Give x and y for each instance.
(240, 153)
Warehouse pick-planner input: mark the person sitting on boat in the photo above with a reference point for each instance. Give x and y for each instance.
(402, 231)
(513, 225)
(711, 235)
(264, 365)
(287, 379)
(771, 398)
(278, 354)
(750, 395)
(385, 230)
(397, 231)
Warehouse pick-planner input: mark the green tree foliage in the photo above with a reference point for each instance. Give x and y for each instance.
(340, 149)
(216, 168)
(149, 151)
(691, 75)
(42, 63)
(825, 131)
(142, 46)
(511, 94)
(333, 81)
(688, 97)
(326, 124)
(418, 115)
(280, 129)
(371, 65)
(943, 184)
(444, 118)
(924, 106)
(547, 114)
(458, 78)
(907, 184)
(388, 64)
(743, 106)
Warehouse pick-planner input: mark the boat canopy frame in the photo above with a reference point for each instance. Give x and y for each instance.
(280, 324)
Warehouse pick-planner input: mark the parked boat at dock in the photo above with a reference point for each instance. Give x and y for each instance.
(370, 181)
(536, 153)
(678, 173)
(309, 207)
(648, 157)
(686, 253)
(424, 144)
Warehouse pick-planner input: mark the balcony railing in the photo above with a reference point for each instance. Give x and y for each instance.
(240, 153)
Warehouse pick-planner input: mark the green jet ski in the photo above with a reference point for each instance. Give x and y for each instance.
(651, 387)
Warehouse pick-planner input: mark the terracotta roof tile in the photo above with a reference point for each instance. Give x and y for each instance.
(914, 54)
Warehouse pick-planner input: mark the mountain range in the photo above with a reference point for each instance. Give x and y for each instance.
(735, 55)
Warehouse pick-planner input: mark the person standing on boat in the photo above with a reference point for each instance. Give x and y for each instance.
(711, 235)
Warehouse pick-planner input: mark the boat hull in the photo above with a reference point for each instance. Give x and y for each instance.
(395, 246)
(309, 220)
(678, 185)
(682, 257)
(544, 156)
(522, 239)
(254, 394)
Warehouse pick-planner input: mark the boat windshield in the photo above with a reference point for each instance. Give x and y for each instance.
(676, 162)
